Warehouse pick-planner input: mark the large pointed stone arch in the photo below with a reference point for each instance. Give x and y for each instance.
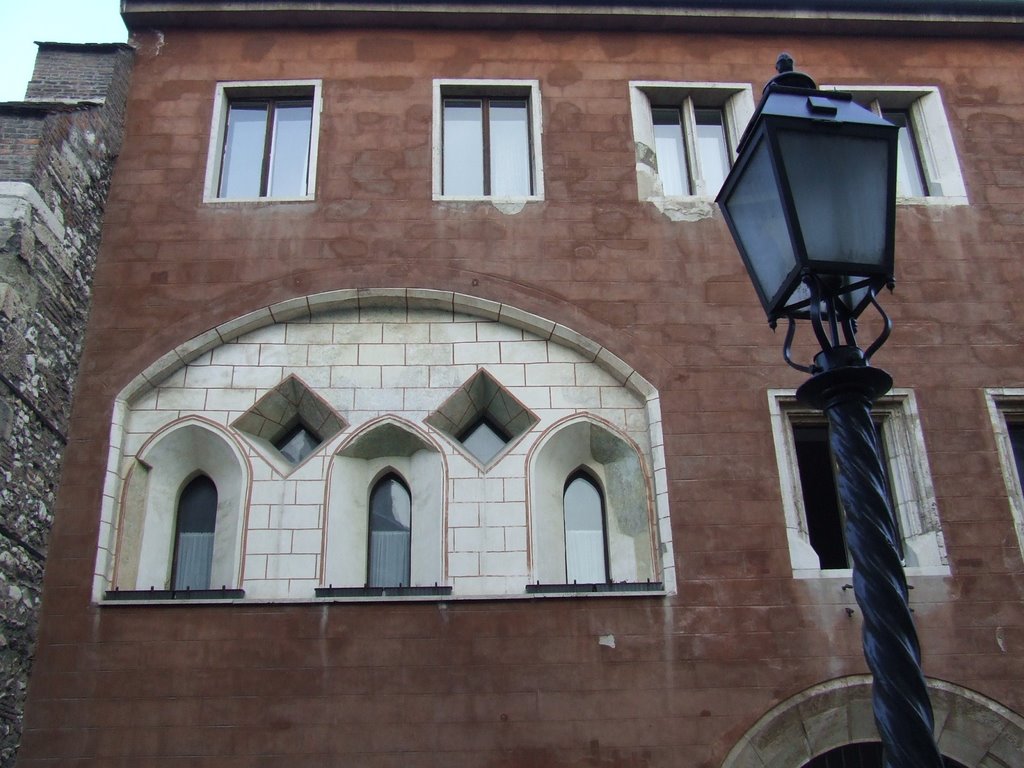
(974, 730)
(220, 375)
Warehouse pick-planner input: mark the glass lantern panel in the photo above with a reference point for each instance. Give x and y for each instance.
(755, 209)
(840, 189)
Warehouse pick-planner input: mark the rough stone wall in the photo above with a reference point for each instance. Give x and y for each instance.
(56, 159)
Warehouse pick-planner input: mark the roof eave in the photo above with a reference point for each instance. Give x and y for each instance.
(947, 18)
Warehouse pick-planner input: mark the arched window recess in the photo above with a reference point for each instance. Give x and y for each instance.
(385, 508)
(590, 516)
(182, 516)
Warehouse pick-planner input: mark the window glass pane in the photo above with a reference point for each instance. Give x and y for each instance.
(1017, 442)
(826, 520)
(244, 144)
(510, 148)
(463, 148)
(390, 533)
(825, 523)
(484, 442)
(193, 546)
(584, 533)
(289, 163)
(887, 468)
(670, 151)
(909, 178)
(712, 149)
(297, 444)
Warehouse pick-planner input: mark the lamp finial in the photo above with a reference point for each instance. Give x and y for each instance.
(788, 76)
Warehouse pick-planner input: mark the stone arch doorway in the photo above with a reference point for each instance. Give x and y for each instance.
(973, 730)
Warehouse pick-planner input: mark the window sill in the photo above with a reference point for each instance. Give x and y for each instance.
(434, 591)
(138, 598)
(488, 199)
(258, 200)
(932, 200)
(614, 588)
(688, 208)
(916, 571)
(161, 595)
(507, 205)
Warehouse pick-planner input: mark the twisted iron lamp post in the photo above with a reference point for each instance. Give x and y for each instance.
(811, 205)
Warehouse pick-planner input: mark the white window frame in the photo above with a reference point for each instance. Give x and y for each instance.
(1003, 403)
(734, 99)
(228, 91)
(913, 494)
(530, 89)
(936, 151)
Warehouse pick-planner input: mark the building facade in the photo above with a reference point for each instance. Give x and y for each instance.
(57, 149)
(427, 415)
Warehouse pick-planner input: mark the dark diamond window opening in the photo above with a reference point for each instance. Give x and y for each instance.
(485, 440)
(482, 418)
(290, 420)
(297, 443)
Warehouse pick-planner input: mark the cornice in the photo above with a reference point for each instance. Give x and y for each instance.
(944, 18)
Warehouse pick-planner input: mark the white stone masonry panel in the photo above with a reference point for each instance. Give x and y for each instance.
(401, 363)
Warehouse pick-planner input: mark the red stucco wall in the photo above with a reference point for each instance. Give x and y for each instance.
(526, 683)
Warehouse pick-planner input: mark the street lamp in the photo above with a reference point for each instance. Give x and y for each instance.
(811, 205)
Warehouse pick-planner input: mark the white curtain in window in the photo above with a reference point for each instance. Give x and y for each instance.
(510, 149)
(195, 559)
(584, 557)
(389, 558)
(289, 166)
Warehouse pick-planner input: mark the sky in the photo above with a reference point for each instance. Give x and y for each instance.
(64, 21)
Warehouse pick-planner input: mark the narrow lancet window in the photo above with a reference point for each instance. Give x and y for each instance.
(390, 533)
(193, 541)
(586, 559)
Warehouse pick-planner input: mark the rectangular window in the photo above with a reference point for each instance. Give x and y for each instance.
(263, 141)
(928, 171)
(686, 135)
(815, 520)
(1006, 409)
(486, 140)
(487, 148)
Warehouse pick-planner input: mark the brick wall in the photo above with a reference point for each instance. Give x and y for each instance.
(77, 72)
(20, 135)
(55, 166)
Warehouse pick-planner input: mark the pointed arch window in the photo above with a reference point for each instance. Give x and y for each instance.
(586, 558)
(194, 531)
(390, 533)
